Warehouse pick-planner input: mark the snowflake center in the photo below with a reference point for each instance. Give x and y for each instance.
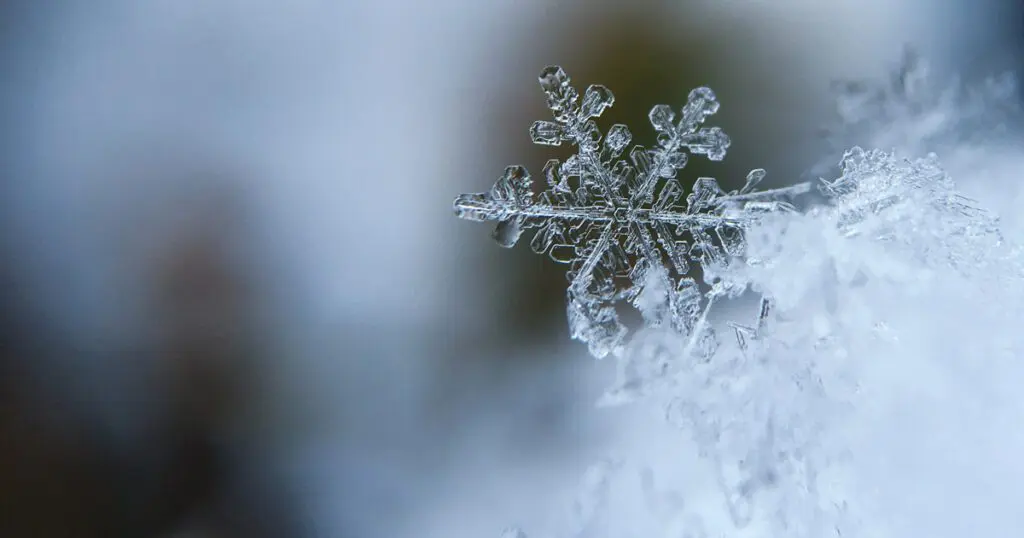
(623, 215)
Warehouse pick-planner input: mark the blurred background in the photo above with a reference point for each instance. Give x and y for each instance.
(235, 301)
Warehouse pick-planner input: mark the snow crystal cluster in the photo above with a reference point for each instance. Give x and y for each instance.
(769, 406)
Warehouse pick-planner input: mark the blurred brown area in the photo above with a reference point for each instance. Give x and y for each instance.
(61, 478)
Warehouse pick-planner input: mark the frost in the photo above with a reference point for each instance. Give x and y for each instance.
(768, 411)
(886, 197)
(617, 221)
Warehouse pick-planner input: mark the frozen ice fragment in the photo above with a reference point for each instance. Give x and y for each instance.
(475, 207)
(555, 179)
(547, 236)
(514, 187)
(553, 79)
(705, 189)
(588, 135)
(675, 161)
(641, 158)
(571, 167)
(547, 133)
(712, 142)
(507, 232)
(753, 179)
(618, 138)
(731, 239)
(701, 103)
(596, 100)
(661, 117)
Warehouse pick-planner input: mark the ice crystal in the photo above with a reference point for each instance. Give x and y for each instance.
(622, 223)
(885, 196)
(841, 284)
(764, 411)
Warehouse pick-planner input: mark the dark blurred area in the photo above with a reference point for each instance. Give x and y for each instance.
(235, 302)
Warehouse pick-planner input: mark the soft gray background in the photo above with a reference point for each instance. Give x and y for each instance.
(236, 301)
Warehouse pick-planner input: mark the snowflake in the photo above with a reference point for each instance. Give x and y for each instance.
(623, 223)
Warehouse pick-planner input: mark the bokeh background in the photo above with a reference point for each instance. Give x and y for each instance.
(235, 302)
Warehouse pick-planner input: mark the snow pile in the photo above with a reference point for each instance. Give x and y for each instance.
(873, 393)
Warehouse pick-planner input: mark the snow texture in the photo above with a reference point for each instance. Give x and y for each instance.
(774, 414)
